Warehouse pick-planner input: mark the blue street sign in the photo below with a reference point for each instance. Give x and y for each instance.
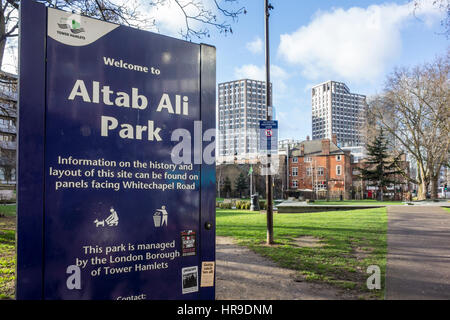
(116, 164)
(268, 136)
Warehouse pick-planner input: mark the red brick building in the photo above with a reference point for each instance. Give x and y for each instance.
(319, 169)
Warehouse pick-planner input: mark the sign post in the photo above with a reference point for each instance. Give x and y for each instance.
(269, 180)
(116, 161)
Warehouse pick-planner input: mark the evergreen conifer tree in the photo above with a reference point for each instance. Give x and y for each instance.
(380, 168)
(240, 184)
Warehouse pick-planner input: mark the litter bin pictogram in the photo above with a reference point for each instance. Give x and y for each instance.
(157, 219)
(160, 217)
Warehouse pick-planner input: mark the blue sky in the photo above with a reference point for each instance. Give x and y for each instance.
(356, 42)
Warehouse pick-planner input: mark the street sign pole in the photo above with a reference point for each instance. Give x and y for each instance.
(269, 201)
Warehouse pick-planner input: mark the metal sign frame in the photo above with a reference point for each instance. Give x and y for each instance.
(49, 221)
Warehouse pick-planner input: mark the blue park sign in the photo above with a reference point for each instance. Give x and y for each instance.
(116, 163)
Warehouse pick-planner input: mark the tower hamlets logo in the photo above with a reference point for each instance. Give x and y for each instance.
(72, 23)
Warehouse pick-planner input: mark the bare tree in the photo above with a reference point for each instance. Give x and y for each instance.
(9, 23)
(199, 17)
(196, 11)
(414, 109)
(107, 10)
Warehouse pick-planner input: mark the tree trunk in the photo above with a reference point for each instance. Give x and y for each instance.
(422, 192)
(219, 180)
(2, 36)
(423, 182)
(434, 187)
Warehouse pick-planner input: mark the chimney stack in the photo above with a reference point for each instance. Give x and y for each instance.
(334, 138)
(326, 147)
(307, 138)
(302, 150)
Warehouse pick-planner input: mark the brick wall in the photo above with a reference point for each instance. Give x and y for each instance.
(329, 172)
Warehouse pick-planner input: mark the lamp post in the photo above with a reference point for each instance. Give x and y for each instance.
(269, 190)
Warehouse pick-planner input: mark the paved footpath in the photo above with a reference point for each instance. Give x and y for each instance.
(243, 275)
(418, 260)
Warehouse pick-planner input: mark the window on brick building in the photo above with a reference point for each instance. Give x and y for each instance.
(294, 184)
(320, 185)
(320, 171)
(338, 170)
(294, 171)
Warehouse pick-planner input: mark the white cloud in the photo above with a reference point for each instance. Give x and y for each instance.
(255, 46)
(354, 44)
(251, 71)
(170, 19)
(278, 75)
(10, 61)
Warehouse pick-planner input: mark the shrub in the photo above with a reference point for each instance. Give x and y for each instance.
(225, 205)
(245, 205)
(241, 205)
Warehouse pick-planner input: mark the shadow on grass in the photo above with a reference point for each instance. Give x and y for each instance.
(7, 237)
(351, 241)
(298, 228)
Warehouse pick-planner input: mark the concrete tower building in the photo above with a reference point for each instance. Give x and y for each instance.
(241, 105)
(336, 110)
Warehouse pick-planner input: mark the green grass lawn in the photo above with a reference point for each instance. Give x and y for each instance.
(7, 251)
(446, 209)
(337, 202)
(351, 241)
